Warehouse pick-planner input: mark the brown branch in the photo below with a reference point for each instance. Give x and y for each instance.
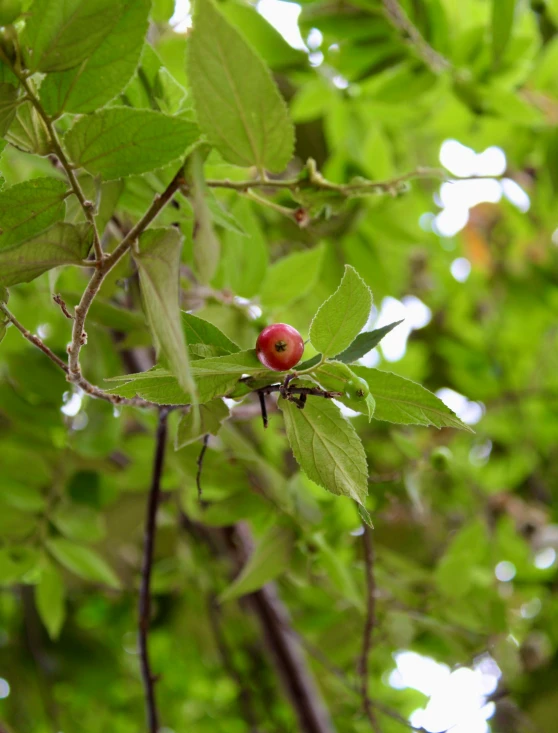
(88, 207)
(369, 624)
(399, 19)
(57, 298)
(81, 310)
(311, 178)
(35, 340)
(79, 380)
(144, 606)
(286, 653)
(263, 408)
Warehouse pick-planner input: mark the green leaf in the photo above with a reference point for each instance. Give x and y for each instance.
(82, 561)
(62, 244)
(291, 277)
(153, 87)
(17, 562)
(28, 131)
(105, 72)
(269, 559)
(266, 40)
(503, 12)
(342, 316)
(29, 207)
(245, 255)
(198, 331)
(400, 400)
(208, 421)
(79, 522)
(206, 247)
(59, 34)
(3, 329)
(237, 103)
(121, 141)
(327, 447)
(364, 343)
(49, 599)
(215, 377)
(22, 496)
(8, 105)
(158, 261)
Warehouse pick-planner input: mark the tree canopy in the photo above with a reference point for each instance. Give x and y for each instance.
(365, 540)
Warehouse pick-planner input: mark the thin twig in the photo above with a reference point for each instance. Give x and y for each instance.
(57, 298)
(399, 19)
(82, 309)
(88, 207)
(200, 465)
(35, 340)
(263, 408)
(311, 178)
(144, 608)
(80, 380)
(369, 624)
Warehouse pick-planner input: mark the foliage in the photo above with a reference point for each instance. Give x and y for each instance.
(165, 196)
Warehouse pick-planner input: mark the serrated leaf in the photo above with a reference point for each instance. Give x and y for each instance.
(364, 343)
(269, 559)
(49, 599)
(121, 141)
(62, 244)
(82, 561)
(206, 246)
(28, 132)
(342, 316)
(29, 207)
(238, 105)
(503, 12)
(199, 331)
(153, 87)
(207, 422)
(291, 277)
(158, 262)
(60, 34)
(327, 447)
(400, 400)
(8, 105)
(105, 72)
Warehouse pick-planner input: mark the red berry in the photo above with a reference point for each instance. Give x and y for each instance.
(279, 347)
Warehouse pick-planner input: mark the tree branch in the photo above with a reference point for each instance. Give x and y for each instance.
(369, 624)
(35, 340)
(399, 19)
(88, 207)
(288, 658)
(311, 178)
(79, 336)
(79, 380)
(144, 606)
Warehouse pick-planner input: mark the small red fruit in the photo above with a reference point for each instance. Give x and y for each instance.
(279, 347)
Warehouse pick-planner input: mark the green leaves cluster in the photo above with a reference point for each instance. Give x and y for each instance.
(323, 440)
